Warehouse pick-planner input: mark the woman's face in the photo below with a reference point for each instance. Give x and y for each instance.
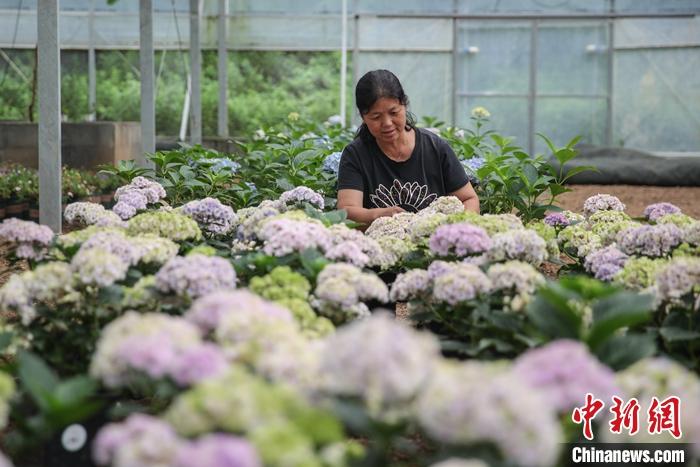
(386, 119)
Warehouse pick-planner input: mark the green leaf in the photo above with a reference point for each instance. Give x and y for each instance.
(552, 315)
(674, 334)
(37, 378)
(75, 390)
(624, 309)
(619, 352)
(5, 339)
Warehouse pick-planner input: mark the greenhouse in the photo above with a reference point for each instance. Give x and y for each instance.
(338, 233)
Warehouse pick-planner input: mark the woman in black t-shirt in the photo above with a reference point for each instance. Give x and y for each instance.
(392, 166)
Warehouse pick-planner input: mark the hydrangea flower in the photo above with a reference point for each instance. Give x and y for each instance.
(140, 440)
(409, 285)
(349, 252)
(474, 402)
(549, 235)
(459, 462)
(340, 233)
(171, 225)
(607, 224)
(396, 227)
(491, 223)
(640, 273)
(654, 211)
(141, 295)
(116, 243)
(250, 218)
(302, 194)
(82, 213)
(650, 240)
(392, 252)
(218, 450)
(678, 219)
(459, 240)
(394, 363)
(47, 283)
(154, 344)
(444, 205)
(247, 333)
(284, 236)
(195, 276)
(680, 277)
(661, 378)
(341, 287)
(474, 163)
(602, 202)
(439, 268)
(556, 219)
(425, 225)
(31, 238)
(564, 371)
(605, 263)
(212, 216)
(574, 217)
(691, 233)
(331, 163)
(97, 266)
(582, 242)
(136, 196)
(224, 165)
(154, 250)
(480, 112)
(208, 311)
(465, 282)
(522, 245)
(515, 276)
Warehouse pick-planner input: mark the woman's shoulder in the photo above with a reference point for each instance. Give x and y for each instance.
(356, 148)
(432, 140)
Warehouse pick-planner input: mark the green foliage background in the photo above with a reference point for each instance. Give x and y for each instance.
(264, 87)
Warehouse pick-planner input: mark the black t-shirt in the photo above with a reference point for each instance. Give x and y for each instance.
(433, 170)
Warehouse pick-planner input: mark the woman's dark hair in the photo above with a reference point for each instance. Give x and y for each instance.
(373, 86)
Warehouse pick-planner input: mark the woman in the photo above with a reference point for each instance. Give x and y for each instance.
(392, 166)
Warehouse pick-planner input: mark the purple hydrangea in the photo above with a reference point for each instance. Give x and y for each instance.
(136, 195)
(556, 219)
(218, 450)
(410, 284)
(565, 371)
(438, 268)
(677, 279)
(474, 163)
(198, 363)
(211, 215)
(196, 275)
(116, 243)
(465, 282)
(350, 252)
(302, 194)
(460, 240)
(208, 311)
(602, 203)
(31, 238)
(654, 211)
(519, 244)
(606, 262)
(139, 440)
(124, 210)
(285, 236)
(650, 240)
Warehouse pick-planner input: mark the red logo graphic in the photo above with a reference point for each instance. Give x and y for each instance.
(626, 416)
(662, 415)
(665, 416)
(587, 413)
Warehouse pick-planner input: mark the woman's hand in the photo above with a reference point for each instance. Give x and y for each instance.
(390, 211)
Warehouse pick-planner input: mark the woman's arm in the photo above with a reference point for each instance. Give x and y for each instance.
(468, 197)
(351, 201)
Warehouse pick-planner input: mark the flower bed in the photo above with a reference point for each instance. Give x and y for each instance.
(216, 331)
